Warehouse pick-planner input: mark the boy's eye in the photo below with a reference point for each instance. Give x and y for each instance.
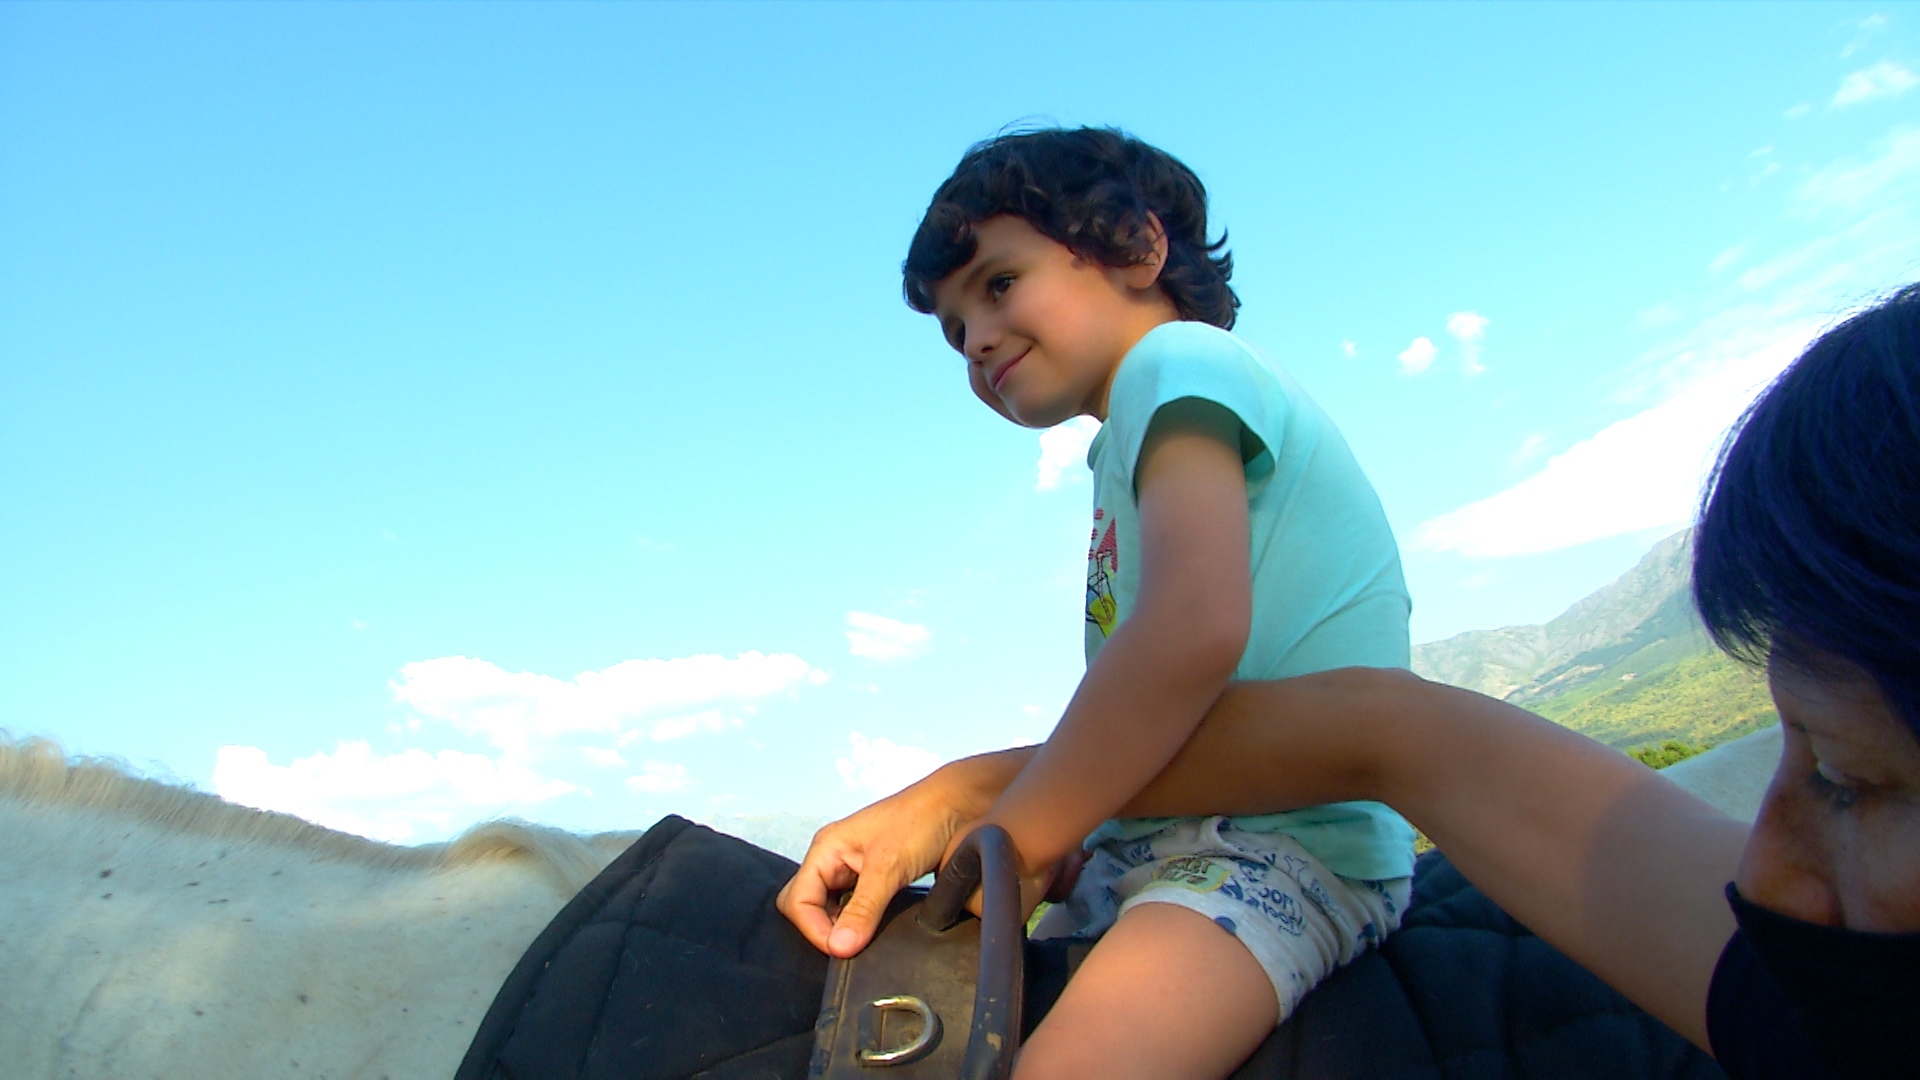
(999, 283)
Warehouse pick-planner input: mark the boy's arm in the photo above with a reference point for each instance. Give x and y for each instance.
(1167, 661)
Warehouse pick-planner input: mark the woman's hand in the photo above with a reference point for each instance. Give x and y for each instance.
(882, 848)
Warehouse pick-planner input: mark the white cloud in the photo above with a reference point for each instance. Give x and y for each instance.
(1469, 328)
(881, 767)
(1849, 186)
(1866, 210)
(1063, 452)
(604, 756)
(659, 777)
(1726, 258)
(1868, 27)
(388, 797)
(1884, 79)
(1658, 315)
(1644, 472)
(1641, 473)
(1794, 113)
(679, 727)
(877, 637)
(1418, 357)
(1530, 448)
(1349, 349)
(514, 710)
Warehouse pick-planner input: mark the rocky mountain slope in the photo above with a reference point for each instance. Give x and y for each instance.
(1627, 665)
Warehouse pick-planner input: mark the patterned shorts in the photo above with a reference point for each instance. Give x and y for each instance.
(1298, 919)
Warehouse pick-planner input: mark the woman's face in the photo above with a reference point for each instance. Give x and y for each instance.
(1837, 841)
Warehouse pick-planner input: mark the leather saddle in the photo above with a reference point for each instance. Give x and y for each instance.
(938, 993)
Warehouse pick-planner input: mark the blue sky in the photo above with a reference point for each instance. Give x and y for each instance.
(414, 413)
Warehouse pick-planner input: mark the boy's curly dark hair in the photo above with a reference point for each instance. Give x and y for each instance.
(1090, 190)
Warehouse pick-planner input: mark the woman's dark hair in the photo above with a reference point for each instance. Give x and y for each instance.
(1809, 537)
(1089, 190)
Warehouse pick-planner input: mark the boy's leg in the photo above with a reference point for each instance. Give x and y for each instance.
(1165, 994)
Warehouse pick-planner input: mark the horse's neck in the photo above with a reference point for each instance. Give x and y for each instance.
(133, 951)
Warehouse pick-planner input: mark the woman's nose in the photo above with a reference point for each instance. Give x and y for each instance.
(1788, 865)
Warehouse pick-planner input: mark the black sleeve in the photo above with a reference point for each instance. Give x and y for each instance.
(1754, 1033)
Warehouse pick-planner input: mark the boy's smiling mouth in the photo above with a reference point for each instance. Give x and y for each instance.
(1000, 376)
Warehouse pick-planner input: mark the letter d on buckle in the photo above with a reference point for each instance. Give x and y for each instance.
(916, 1048)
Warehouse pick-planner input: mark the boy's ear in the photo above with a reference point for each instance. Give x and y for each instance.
(1142, 275)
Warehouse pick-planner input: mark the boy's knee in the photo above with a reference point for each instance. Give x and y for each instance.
(1046, 1059)
(1166, 995)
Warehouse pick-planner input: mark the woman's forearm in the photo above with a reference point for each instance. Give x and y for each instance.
(970, 785)
(1268, 746)
(1140, 701)
(1228, 766)
(1597, 854)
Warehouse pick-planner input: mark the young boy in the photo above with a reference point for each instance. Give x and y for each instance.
(1234, 536)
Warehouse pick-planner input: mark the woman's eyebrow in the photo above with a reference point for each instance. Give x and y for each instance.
(1859, 743)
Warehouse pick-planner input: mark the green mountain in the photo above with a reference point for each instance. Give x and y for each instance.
(1629, 665)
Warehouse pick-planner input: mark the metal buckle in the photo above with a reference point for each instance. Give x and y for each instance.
(917, 1047)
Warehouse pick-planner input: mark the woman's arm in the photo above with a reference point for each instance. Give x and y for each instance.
(1601, 857)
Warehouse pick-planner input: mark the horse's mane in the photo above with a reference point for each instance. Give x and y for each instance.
(37, 770)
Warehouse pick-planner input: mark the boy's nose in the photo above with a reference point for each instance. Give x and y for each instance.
(981, 342)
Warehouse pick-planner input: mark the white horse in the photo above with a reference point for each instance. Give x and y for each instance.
(148, 930)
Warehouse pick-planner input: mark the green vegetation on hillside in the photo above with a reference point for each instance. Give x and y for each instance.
(1703, 700)
(1672, 633)
(1661, 755)
(1629, 665)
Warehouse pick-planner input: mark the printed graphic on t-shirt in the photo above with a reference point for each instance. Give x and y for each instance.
(1103, 563)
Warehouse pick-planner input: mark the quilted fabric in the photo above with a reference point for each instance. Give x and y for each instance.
(674, 963)
(1463, 992)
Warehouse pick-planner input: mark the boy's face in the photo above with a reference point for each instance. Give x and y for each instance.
(1042, 329)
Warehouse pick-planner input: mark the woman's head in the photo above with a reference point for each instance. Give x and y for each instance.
(1808, 548)
(1808, 556)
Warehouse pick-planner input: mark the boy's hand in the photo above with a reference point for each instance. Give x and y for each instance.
(1052, 882)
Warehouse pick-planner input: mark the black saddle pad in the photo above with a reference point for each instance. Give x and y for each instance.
(674, 964)
(1463, 992)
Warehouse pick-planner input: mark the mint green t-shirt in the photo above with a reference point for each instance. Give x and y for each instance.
(1327, 588)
